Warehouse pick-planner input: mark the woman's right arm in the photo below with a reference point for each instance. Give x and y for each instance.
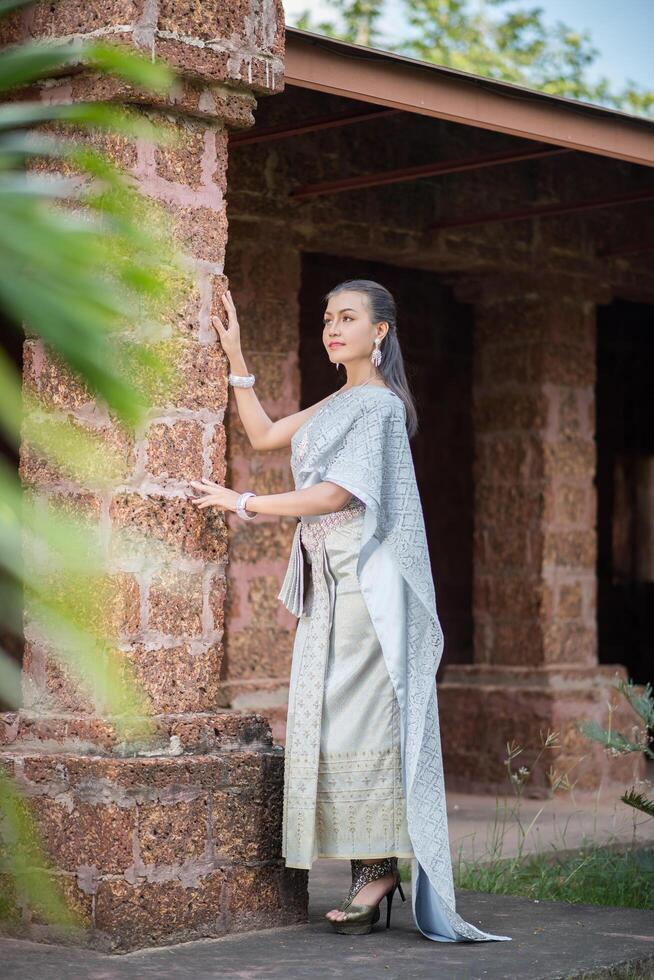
(263, 433)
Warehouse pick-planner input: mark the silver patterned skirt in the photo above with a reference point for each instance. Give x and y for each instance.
(343, 788)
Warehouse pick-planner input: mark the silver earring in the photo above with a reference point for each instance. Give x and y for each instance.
(376, 354)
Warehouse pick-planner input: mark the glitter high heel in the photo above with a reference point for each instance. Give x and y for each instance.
(360, 919)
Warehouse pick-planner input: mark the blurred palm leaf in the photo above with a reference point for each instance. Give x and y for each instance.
(89, 266)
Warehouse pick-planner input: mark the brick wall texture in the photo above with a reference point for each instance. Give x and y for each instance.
(180, 840)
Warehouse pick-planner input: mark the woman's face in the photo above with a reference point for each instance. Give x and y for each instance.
(348, 327)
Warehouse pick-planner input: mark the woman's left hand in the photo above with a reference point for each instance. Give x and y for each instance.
(214, 495)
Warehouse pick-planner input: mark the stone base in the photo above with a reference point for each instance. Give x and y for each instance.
(484, 707)
(161, 849)
(268, 697)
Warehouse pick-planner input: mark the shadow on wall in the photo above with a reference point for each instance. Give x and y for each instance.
(625, 486)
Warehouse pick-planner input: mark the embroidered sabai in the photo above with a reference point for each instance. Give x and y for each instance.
(358, 440)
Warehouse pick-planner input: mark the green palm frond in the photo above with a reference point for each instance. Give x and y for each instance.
(639, 801)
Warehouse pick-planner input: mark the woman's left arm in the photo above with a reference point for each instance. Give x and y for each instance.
(323, 498)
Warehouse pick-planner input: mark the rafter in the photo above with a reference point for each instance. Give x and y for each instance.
(514, 214)
(436, 169)
(266, 134)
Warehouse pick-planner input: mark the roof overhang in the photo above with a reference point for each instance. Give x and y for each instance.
(384, 78)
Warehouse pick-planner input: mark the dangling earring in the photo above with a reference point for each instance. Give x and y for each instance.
(376, 354)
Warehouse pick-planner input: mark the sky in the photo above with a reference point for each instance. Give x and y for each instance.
(622, 30)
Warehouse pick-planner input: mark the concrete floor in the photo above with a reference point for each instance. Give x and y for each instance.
(550, 939)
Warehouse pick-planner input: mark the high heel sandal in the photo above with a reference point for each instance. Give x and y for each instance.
(360, 919)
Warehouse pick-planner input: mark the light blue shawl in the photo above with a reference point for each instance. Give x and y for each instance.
(358, 439)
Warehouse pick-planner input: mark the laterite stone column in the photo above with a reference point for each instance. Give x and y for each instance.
(181, 839)
(534, 601)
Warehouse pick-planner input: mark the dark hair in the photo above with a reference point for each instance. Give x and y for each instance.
(381, 306)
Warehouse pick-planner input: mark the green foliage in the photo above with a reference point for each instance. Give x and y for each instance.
(639, 802)
(618, 744)
(594, 874)
(90, 267)
(602, 873)
(515, 46)
(359, 21)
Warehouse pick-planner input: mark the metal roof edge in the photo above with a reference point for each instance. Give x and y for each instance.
(541, 105)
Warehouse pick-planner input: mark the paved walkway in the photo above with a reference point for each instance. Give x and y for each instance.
(550, 939)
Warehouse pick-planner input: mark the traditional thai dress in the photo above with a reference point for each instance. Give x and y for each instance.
(363, 771)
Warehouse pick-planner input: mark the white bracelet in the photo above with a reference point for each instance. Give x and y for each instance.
(241, 380)
(240, 506)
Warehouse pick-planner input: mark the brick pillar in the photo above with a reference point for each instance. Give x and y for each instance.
(535, 635)
(181, 841)
(259, 631)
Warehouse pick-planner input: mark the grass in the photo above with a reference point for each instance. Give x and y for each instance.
(594, 874)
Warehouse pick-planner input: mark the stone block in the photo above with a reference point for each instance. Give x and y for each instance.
(45, 374)
(76, 899)
(514, 642)
(132, 916)
(498, 365)
(570, 642)
(259, 652)
(199, 231)
(175, 833)
(248, 26)
(178, 678)
(574, 458)
(576, 549)
(218, 455)
(498, 503)
(172, 527)
(51, 685)
(237, 834)
(61, 19)
(207, 65)
(572, 503)
(510, 411)
(109, 462)
(271, 538)
(571, 409)
(121, 150)
(564, 364)
(174, 450)
(199, 380)
(266, 326)
(278, 376)
(217, 593)
(569, 604)
(510, 596)
(254, 890)
(85, 835)
(198, 159)
(175, 603)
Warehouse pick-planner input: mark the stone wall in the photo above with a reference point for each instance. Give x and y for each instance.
(179, 838)
(530, 599)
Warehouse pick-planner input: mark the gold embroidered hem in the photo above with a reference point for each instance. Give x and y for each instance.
(343, 794)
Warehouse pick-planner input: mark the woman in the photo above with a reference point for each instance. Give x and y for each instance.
(363, 769)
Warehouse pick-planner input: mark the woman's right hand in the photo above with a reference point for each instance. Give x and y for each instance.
(230, 335)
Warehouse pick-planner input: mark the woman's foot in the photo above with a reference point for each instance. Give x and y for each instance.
(370, 894)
